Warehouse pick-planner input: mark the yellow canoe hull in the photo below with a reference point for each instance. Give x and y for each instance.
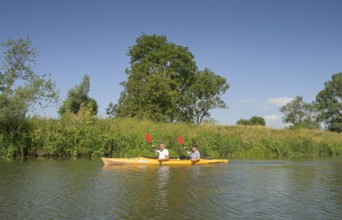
(155, 162)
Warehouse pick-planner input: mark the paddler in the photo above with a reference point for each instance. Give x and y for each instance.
(163, 153)
(194, 154)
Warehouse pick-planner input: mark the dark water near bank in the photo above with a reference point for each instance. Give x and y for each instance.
(243, 189)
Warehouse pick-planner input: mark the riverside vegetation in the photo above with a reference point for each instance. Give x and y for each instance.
(90, 137)
(166, 95)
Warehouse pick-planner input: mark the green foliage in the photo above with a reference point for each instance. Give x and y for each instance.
(300, 114)
(243, 122)
(255, 120)
(110, 110)
(160, 70)
(329, 103)
(164, 85)
(85, 136)
(205, 94)
(78, 99)
(21, 89)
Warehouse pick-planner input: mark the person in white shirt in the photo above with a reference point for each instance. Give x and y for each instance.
(163, 153)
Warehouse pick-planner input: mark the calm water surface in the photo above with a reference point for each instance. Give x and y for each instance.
(243, 189)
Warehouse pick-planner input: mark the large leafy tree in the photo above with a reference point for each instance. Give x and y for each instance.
(164, 84)
(300, 114)
(78, 99)
(159, 75)
(205, 94)
(329, 103)
(21, 88)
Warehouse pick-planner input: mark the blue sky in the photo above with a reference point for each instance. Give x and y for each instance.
(269, 50)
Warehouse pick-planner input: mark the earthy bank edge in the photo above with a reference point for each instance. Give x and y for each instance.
(75, 136)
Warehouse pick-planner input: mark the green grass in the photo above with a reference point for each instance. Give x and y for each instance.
(74, 136)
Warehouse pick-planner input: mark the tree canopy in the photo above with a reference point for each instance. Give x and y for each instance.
(21, 88)
(329, 103)
(300, 114)
(78, 99)
(205, 94)
(255, 120)
(164, 84)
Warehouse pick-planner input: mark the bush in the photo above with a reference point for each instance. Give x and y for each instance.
(85, 136)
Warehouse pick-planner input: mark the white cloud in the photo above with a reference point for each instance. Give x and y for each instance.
(265, 107)
(272, 117)
(280, 101)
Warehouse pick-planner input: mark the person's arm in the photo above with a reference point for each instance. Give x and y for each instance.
(187, 152)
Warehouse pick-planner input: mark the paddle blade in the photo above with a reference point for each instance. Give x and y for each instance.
(148, 138)
(180, 140)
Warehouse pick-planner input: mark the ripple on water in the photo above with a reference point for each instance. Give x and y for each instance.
(86, 189)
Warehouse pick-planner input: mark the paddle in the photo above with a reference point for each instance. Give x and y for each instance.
(181, 141)
(149, 140)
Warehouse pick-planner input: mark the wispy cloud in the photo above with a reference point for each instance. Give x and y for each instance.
(279, 101)
(265, 107)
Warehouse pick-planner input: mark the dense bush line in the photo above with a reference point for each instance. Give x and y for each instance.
(84, 136)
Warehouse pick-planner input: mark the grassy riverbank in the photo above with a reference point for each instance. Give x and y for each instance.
(88, 137)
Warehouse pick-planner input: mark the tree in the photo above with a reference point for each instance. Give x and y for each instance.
(329, 103)
(300, 114)
(164, 84)
(78, 99)
(205, 94)
(159, 74)
(255, 120)
(243, 122)
(110, 110)
(21, 89)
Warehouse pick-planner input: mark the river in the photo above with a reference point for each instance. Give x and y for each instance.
(241, 189)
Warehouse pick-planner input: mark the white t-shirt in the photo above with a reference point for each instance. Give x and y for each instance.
(163, 154)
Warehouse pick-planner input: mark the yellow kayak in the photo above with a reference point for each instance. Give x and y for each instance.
(155, 162)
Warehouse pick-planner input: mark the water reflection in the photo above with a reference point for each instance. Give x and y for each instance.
(195, 172)
(85, 189)
(162, 178)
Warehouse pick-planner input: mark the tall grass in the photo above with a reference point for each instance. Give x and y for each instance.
(75, 136)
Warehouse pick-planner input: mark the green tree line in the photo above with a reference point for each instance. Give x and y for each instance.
(255, 120)
(327, 108)
(163, 85)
